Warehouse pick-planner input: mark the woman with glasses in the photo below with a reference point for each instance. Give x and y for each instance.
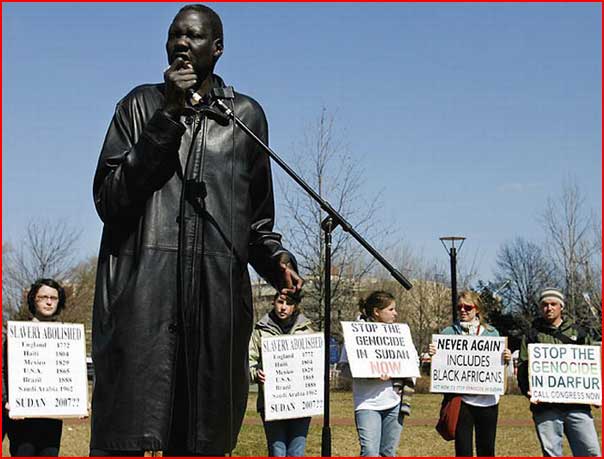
(477, 412)
(37, 436)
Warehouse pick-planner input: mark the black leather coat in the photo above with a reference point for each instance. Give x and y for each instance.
(172, 274)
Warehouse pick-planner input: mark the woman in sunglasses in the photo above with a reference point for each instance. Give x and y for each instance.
(477, 411)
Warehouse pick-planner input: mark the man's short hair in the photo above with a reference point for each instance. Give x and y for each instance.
(551, 293)
(215, 21)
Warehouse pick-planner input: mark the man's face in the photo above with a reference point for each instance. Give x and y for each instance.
(283, 310)
(190, 38)
(551, 310)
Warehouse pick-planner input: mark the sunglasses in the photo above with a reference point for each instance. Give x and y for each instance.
(466, 307)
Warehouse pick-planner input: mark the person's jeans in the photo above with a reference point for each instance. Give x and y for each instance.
(379, 431)
(286, 437)
(578, 425)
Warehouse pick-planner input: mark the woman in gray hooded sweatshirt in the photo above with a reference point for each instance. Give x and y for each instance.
(284, 437)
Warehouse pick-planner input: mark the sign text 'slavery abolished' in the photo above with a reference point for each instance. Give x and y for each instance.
(47, 370)
(294, 370)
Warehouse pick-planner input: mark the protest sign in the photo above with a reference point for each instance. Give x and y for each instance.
(376, 348)
(565, 373)
(294, 369)
(46, 370)
(468, 364)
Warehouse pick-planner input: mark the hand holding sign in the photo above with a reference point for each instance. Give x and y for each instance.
(380, 350)
(468, 364)
(507, 355)
(565, 373)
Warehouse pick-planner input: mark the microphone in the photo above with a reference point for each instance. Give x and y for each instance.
(223, 93)
(194, 97)
(214, 114)
(212, 105)
(216, 93)
(225, 110)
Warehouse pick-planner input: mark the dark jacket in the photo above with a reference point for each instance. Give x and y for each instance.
(172, 275)
(542, 332)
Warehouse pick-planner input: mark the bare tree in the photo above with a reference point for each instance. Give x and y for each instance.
(46, 250)
(592, 274)
(467, 268)
(324, 161)
(426, 308)
(528, 270)
(7, 251)
(80, 285)
(507, 322)
(576, 252)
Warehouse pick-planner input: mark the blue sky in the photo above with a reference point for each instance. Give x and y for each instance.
(467, 116)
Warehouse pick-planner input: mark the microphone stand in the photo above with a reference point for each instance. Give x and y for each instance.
(333, 220)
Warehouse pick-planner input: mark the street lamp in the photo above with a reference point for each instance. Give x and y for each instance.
(449, 245)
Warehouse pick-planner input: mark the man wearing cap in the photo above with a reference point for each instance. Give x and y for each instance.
(553, 420)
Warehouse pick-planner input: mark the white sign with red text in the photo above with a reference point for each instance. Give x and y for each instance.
(376, 348)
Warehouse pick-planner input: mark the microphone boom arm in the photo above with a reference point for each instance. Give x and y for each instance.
(336, 217)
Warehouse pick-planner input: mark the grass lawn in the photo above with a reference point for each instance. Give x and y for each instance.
(515, 433)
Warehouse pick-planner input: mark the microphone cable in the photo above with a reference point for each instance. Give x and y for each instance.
(231, 289)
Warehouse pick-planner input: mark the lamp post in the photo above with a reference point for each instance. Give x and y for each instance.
(448, 243)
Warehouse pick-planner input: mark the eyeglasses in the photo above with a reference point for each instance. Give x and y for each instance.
(465, 307)
(47, 298)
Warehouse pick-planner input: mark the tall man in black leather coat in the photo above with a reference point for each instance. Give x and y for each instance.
(187, 201)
